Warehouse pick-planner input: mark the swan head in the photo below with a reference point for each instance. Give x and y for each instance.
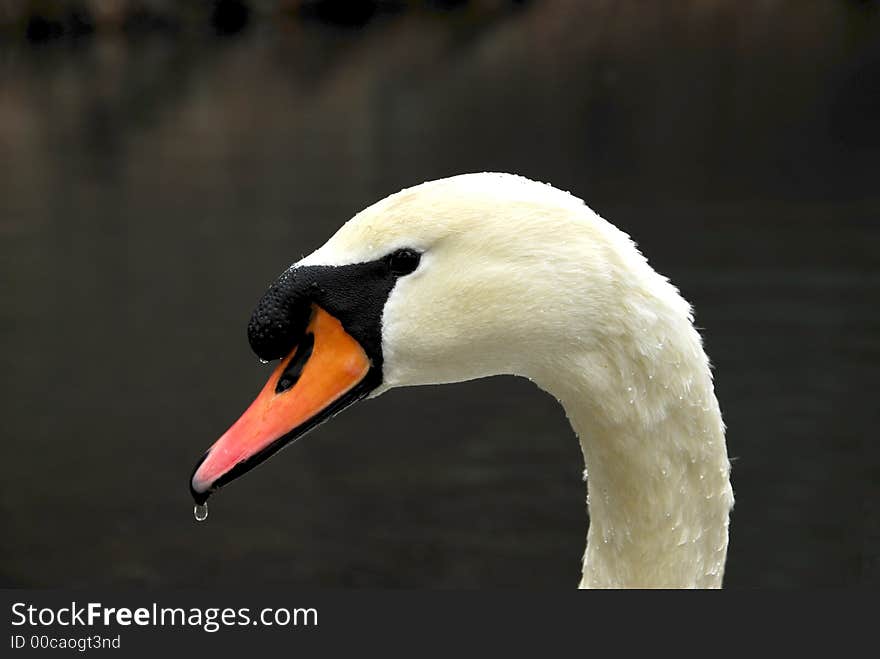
(451, 280)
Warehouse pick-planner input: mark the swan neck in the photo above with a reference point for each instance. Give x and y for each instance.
(657, 471)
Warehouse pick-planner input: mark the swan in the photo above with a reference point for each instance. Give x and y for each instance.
(486, 274)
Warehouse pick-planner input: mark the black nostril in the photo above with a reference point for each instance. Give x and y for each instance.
(297, 364)
(280, 320)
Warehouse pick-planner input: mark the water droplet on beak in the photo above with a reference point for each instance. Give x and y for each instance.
(200, 512)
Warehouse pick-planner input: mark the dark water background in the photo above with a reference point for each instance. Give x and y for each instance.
(154, 182)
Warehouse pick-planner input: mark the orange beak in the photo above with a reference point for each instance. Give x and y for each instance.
(326, 372)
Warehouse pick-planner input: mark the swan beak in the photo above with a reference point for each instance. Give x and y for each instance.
(325, 373)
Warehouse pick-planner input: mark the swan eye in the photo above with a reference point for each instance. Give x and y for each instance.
(404, 261)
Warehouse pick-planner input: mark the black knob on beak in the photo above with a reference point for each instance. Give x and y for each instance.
(280, 319)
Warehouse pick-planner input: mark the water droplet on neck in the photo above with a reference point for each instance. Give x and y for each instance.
(200, 512)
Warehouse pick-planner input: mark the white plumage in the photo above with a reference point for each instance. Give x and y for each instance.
(520, 278)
